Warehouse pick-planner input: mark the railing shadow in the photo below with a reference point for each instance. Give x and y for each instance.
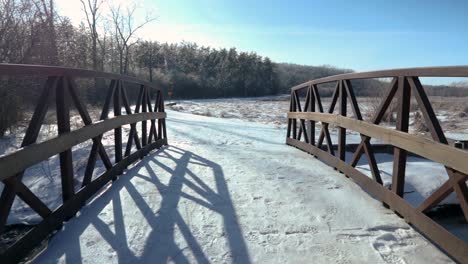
(159, 244)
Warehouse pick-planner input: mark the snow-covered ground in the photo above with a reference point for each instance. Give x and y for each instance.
(227, 190)
(423, 177)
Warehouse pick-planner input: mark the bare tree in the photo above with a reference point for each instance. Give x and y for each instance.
(124, 32)
(46, 15)
(148, 55)
(91, 9)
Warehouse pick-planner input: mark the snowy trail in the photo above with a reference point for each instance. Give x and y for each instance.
(231, 191)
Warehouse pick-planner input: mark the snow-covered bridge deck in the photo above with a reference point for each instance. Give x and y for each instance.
(232, 191)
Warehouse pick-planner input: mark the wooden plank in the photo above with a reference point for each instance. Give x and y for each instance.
(133, 135)
(433, 124)
(63, 124)
(94, 149)
(25, 157)
(87, 121)
(342, 130)
(450, 71)
(427, 111)
(152, 133)
(324, 131)
(448, 242)
(437, 134)
(9, 191)
(158, 109)
(32, 238)
(311, 122)
(118, 130)
(288, 133)
(32, 200)
(302, 128)
(144, 134)
(294, 124)
(444, 154)
(387, 99)
(42, 70)
(163, 120)
(367, 146)
(400, 154)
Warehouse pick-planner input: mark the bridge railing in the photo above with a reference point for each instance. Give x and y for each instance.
(147, 113)
(302, 122)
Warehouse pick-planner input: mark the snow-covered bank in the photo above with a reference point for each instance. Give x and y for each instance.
(232, 191)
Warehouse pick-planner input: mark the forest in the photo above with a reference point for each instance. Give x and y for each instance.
(34, 32)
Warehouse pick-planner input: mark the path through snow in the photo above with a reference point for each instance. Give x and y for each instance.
(232, 191)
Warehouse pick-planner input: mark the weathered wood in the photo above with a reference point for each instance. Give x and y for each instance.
(87, 121)
(13, 164)
(94, 149)
(159, 109)
(377, 118)
(26, 157)
(288, 133)
(311, 122)
(33, 237)
(437, 150)
(294, 124)
(443, 238)
(133, 135)
(299, 110)
(342, 130)
(433, 124)
(302, 128)
(367, 146)
(32, 200)
(324, 133)
(7, 69)
(144, 134)
(450, 71)
(63, 125)
(400, 154)
(32, 132)
(163, 120)
(444, 154)
(152, 130)
(118, 130)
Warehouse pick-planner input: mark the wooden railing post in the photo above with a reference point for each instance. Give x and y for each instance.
(342, 130)
(163, 123)
(63, 123)
(294, 109)
(400, 155)
(13, 165)
(288, 133)
(404, 82)
(118, 131)
(311, 108)
(144, 109)
(10, 189)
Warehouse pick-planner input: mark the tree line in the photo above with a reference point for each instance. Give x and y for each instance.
(34, 32)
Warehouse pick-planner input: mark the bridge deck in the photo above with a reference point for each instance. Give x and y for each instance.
(227, 190)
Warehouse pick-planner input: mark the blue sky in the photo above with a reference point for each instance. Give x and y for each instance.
(361, 35)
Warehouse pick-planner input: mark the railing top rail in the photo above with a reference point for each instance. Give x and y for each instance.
(42, 70)
(447, 71)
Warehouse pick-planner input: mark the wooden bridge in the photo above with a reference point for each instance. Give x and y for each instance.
(305, 112)
(405, 82)
(61, 81)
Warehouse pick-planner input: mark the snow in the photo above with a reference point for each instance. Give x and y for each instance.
(227, 190)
